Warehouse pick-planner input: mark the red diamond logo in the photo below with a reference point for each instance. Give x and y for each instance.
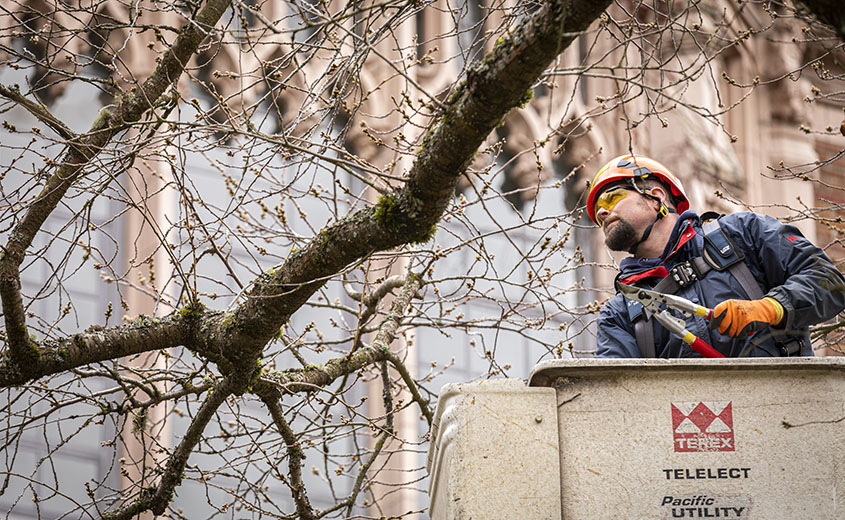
(703, 426)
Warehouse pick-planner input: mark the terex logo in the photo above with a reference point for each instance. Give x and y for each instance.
(703, 426)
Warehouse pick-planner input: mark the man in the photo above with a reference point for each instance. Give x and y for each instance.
(756, 273)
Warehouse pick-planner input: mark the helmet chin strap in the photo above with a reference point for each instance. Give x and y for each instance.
(662, 211)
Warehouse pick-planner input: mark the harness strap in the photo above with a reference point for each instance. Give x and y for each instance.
(644, 332)
(739, 270)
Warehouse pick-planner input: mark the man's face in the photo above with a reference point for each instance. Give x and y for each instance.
(624, 218)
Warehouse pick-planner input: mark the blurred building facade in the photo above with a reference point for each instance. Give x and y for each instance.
(768, 104)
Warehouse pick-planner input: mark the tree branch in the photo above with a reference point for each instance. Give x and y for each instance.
(144, 334)
(372, 299)
(423, 403)
(295, 457)
(82, 149)
(818, 331)
(23, 352)
(38, 110)
(319, 376)
(157, 499)
(491, 89)
(315, 376)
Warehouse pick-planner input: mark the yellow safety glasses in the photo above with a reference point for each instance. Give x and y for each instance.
(611, 198)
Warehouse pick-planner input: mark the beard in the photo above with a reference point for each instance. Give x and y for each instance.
(622, 237)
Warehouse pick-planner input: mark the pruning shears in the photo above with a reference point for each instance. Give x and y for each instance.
(658, 305)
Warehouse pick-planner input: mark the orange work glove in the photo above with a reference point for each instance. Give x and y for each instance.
(742, 317)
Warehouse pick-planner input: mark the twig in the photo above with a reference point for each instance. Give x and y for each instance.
(424, 404)
(359, 480)
(38, 110)
(822, 330)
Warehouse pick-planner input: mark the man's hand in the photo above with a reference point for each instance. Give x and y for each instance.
(741, 317)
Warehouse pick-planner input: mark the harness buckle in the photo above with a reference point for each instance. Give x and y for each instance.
(684, 274)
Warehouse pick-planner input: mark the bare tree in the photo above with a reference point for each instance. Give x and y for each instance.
(286, 203)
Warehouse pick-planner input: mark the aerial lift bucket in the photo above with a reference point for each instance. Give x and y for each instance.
(587, 439)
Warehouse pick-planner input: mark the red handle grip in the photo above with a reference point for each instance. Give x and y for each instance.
(701, 346)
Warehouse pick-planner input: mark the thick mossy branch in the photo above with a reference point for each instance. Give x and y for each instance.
(493, 87)
(144, 334)
(399, 212)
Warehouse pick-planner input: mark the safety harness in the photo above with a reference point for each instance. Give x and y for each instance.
(720, 254)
